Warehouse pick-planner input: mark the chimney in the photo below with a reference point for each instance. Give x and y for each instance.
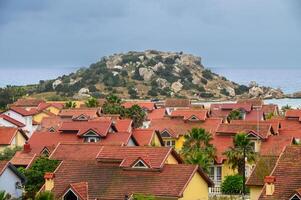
(26, 148)
(269, 185)
(49, 181)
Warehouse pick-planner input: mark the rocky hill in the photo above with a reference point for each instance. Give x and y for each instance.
(151, 74)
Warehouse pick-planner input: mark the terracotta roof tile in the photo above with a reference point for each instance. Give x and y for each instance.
(147, 105)
(123, 125)
(11, 120)
(287, 174)
(75, 112)
(44, 105)
(156, 114)
(7, 135)
(22, 111)
(177, 103)
(188, 114)
(80, 189)
(30, 102)
(255, 102)
(3, 165)
(274, 123)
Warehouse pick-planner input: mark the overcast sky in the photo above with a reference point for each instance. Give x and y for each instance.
(75, 33)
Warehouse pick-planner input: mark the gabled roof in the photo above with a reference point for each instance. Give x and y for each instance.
(100, 127)
(113, 182)
(296, 113)
(255, 102)
(80, 189)
(177, 103)
(44, 105)
(28, 102)
(90, 112)
(76, 151)
(21, 111)
(6, 164)
(12, 121)
(7, 134)
(287, 174)
(263, 168)
(274, 123)
(233, 106)
(123, 125)
(22, 158)
(255, 115)
(177, 127)
(158, 113)
(144, 137)
(51, 122)
(269, 108)
(147, 105)
(156, 156)
(260, 130)
(199, 114)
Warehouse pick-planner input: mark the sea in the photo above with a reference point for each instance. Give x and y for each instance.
(287, 79)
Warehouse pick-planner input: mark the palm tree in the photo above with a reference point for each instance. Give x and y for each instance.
(92, 103)
(45, 196)
(113, 99)
(197, 148)
(285, 108)
(235, 115)
(242, 149)
(70, 104)
(4, 195)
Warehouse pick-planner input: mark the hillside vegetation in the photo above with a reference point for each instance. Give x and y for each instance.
(148, 74)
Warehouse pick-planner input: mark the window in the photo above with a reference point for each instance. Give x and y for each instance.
(165, 134)
(70, 195)
(295, 197)
(91, 139)
(140, 164)
(215, 174)
(170, 143)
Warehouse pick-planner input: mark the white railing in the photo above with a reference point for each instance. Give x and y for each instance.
(216, 190)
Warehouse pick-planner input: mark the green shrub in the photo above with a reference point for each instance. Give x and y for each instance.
(241, 89)
(204, 81)
(8, 153)
(232, 185)
(224, 92)
(207, 74)
(45, 196)
(206, 95)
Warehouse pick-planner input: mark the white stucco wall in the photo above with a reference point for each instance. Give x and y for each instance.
(6, 123)
(8, 181)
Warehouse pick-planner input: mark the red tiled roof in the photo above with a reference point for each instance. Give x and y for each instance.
(11, 120)
(22, 111)
(269, 108)
(30, 102)
(51, 122)
(3, 165)
(76, 151)
(113, 182)
(44, 105)
(187, 114)
(177, 103)
(232, 106)
(263, 168)
(221, 143)
(293, 114)
(23, 158)
(287, 174)
(120, 139)
(100, 127)
(143, 136)
(255, 102)
(75, 112)
(274, 123)
(261, 130)
(123, 125)
(149, 106)
(177, 127)
(7, 134)
(127, 155)
(81, 189)
(256, 115)
(156, 114)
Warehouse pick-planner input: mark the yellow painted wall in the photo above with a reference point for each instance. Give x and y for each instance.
(19, 140)
(179, 143)
(77, 103)
(53, 110)
(155, 141)
(171, 160)
(255, 192)
(227, 170)
(197, 189)
(39, 117)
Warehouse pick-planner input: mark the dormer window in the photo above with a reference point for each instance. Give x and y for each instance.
(70, 195)
(140, 164)
(51, 129)
(193, 118)
(91, 136)
(295, 197)
(165, 134)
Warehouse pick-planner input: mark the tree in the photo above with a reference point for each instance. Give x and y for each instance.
(235, 154)
(45, 196)
(285, 108)
(232, 184)
(8, 153)
(112, 105)
(113, 99)
(197, 148)
(4, 195)
(35, 174)
(92, 103)
(136, 113)
(235, 115)
(70, 104)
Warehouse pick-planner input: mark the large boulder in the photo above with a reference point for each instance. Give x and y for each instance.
(177, 86)
(256, 91)
(146, 73)
(56, 83)
(163, 83)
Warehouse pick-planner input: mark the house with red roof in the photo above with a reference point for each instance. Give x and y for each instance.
(22, 116)
(80, 113)
(147, 106)
(11, 137)
(121, 172)
(175, 104)
(7, 121)
(52, 107)
(284, 181)
(11, 180)
(27, 103)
